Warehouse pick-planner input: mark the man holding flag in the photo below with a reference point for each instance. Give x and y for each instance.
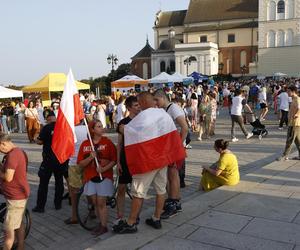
(151, 143)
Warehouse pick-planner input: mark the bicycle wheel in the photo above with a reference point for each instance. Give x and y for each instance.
(86, 213)
(26, 221)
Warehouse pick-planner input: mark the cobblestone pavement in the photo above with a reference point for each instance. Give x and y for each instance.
(48, 230)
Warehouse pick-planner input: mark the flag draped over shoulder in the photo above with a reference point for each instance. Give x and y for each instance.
(69, 114)
(152, 141)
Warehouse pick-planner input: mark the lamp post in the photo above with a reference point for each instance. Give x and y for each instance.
(113, 60)
(188, 61)
(221, 67)
(243, 69)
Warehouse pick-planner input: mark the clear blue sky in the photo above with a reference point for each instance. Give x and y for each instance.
(41, 36)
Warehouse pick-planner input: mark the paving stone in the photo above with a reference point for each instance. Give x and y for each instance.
(273, 230)
(236, 241)
(169, 243)
(264, 206)
(183, 231)
(223, 221)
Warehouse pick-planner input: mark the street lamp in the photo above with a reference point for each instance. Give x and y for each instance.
(188, 62)
(113, 60)
(221, 67)
(243, 69)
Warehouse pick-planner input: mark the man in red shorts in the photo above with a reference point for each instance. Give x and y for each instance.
(15, 189)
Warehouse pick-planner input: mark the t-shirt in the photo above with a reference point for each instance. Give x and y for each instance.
(120, 110)
(106, 152)
(81, 135)
(46, 137)
(230, 171)
(284, 101)
(237, 105)
(295, 106)
(124, 121)
(175, 111)
(18, 188)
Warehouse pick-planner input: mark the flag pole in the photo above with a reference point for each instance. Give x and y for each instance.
(93, 148)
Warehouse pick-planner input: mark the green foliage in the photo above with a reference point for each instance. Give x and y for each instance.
(104, 82)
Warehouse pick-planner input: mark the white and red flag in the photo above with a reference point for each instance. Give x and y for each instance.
(152, 142)
(69, 114)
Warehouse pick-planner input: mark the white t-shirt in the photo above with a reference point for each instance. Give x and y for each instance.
(121, 108)
(262, 97)
(175, 111)
(237, 105)
(81, 134)
(284, 101)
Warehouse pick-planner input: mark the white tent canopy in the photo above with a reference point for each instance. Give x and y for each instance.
(9, 93)
(280, 74)
(130, 78)
(177, 77)
(163, 77)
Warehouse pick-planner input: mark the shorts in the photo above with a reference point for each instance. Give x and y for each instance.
(105, 188)
(125, 177)
(141, 183)
(75, 173)
(14, 214)
(178, 164)
(263, 105)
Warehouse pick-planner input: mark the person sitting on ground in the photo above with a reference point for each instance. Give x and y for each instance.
(224, 172)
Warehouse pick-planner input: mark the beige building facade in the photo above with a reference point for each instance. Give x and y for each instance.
(221, 38)
(279, 37)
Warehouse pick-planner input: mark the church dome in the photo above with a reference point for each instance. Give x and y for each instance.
(168, 44)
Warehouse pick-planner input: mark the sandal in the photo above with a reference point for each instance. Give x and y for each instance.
(69, 221)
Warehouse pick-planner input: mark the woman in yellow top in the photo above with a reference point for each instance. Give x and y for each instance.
(224, 172)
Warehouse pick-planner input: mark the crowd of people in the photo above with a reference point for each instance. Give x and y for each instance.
(192, 109)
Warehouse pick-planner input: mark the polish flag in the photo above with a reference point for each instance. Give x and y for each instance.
(69, 114)
(152, 142)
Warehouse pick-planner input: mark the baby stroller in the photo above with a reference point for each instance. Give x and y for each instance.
(258, 128)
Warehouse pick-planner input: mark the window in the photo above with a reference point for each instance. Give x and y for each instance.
(231, 38)
(272, 11)
(203, 39)
(280, 38)
(289, 38)
(271, 39)
(281, 7)
(172, 66)
(243, 58)
(162, 66)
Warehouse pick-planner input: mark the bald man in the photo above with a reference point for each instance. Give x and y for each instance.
(142, 182)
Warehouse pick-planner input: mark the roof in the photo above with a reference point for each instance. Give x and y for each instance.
(52, 82)
(170, 18)
(144, 52)
(168, 45)
(217, 10)
(222, 27)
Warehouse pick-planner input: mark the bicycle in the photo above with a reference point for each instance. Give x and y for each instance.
(85, 209)
(26, 222)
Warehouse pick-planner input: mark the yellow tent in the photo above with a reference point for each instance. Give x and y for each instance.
(51, 83)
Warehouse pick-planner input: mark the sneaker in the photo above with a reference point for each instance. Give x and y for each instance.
(178, 206)
(199, 139)
(38, 210)
(153, 223)
(297, 158)
(282, 158)
(188, 146)
(126, 229)
(169, 212)
(280, 128)
(182, 184)
(167, 203)
(249, 135)
(234, 139)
